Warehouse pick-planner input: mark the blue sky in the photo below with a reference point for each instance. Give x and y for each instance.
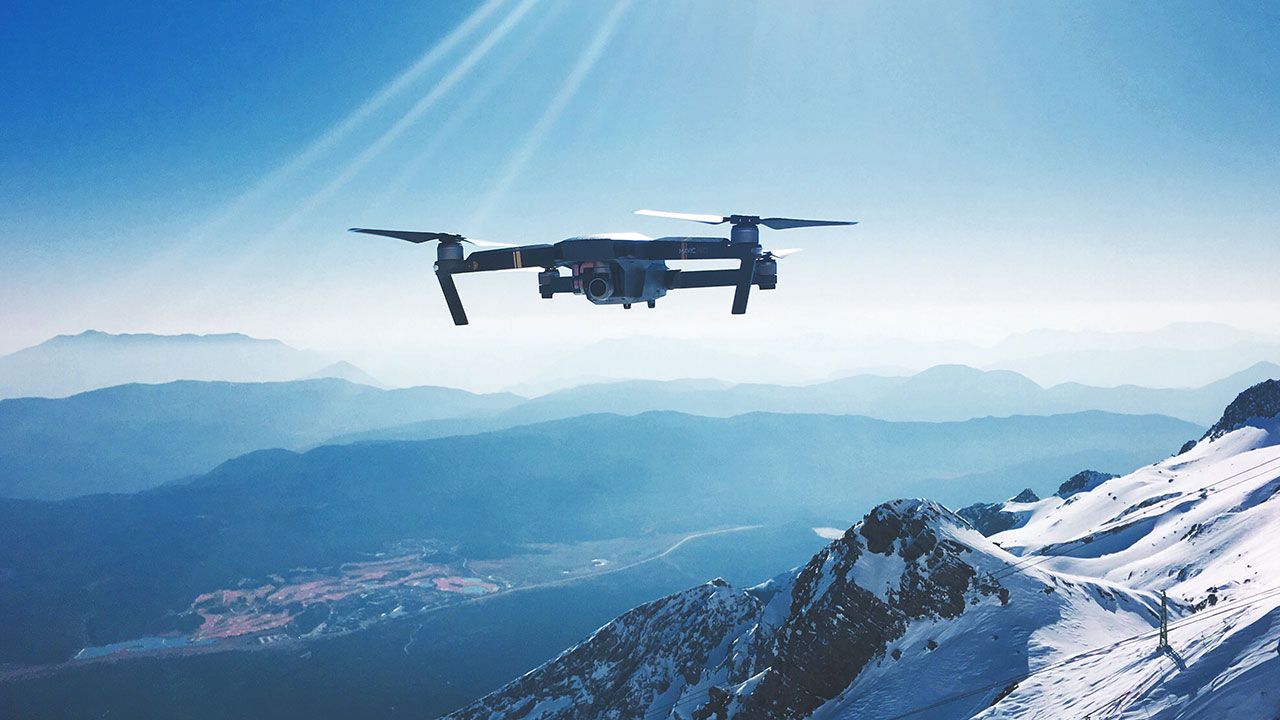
(176, 167)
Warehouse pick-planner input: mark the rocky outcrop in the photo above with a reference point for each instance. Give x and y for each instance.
(845, 609)
(1260, 402)
(1083, 481)
(634, 662)
(988, 518)
(991, 518)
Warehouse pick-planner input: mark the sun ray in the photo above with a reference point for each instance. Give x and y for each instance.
(277, 178)
(518, 162)
(377, 147)
(459, 117)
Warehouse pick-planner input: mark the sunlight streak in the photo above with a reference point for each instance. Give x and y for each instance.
(459, 117)
(277, 178)
(393, 133)
(535, 137)
(171, 255)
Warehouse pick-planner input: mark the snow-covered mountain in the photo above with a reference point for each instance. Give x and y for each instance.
(914, 613)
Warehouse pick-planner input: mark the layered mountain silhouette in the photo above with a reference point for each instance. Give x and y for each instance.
(132, 437)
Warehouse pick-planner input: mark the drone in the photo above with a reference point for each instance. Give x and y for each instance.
(620, 268)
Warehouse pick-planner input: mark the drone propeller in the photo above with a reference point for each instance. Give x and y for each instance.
(783, 252)
(746, 232)
(747, 220)
(448, 256)
(422, 237)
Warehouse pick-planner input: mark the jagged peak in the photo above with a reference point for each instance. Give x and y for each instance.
(1026, 496)
(1260, 402)
(903, 519)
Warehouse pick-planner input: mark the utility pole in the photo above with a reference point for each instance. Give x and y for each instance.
(1164, 622)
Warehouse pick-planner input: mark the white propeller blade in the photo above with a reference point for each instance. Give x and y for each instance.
(708, 219)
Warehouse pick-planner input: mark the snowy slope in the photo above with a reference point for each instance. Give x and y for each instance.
(912, 613)
(1200, 527)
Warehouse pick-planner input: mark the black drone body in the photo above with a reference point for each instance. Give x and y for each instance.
(621, 268)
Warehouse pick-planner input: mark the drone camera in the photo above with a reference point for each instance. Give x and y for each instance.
(598, 283)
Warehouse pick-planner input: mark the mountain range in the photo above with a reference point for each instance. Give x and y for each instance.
(945, 393)
(939, 394)
(77, 567)
(914, 613)
(1186, 354)
(132, 437)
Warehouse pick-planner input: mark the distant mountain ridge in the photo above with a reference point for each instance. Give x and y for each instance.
(70, 364)
(132, 437)
(1187, 354)
(946, 393)
(343, 370)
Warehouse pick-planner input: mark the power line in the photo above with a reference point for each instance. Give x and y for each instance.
(1101, 650)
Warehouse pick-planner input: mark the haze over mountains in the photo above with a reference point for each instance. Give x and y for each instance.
(939, 394)
(70, 364)
(131, 437)
(1183, 355)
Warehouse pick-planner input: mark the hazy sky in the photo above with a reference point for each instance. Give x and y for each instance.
(181, 167)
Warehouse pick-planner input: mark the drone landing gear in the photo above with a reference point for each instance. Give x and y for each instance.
(746, 273)
(451, 297)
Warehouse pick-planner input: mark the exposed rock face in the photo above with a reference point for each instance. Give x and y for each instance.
(991, 518)
(988, 518)
(845, 609)
(633, 662)
(1262, 401)
(778, 650)
(1083, 481)
(1026, 496)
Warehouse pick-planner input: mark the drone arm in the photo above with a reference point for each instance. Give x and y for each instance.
(451, 296)
(525, 256)
(682, 279)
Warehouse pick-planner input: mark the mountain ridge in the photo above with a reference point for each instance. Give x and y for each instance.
(66, 365)
(130, 437)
